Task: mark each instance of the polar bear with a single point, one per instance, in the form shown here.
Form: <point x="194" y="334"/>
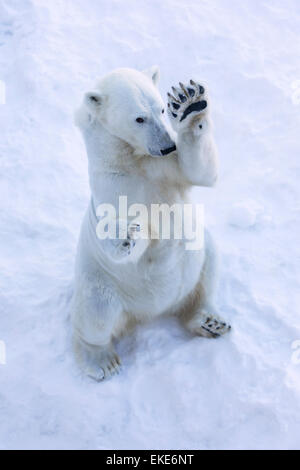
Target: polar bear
<point x="132" y="152"/>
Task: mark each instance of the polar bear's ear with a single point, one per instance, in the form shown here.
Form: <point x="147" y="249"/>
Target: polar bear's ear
<point x="93" y="100"/>
<point x="153" y="73"/>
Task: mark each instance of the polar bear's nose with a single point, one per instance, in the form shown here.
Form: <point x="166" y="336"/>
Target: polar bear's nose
<point x="168" y="150"/>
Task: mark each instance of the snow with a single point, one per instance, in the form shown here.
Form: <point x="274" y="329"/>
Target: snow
<point x="240" y="392"/>
<point x="245" y="214"/>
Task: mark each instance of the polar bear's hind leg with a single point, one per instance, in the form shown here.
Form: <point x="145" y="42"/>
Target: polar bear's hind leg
<point x="97" y="362"/>
<point x="199" y="313"/>
<point x="96" y="317"/>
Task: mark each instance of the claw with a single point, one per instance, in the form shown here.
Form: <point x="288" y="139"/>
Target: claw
<point x="213" y="334"/>
<point x="199" y="88"/>
<point x="180" y="98"/>
<point x="194" y="88"/>
<point x="171" y="97"/>
<point x="184" y="89"/>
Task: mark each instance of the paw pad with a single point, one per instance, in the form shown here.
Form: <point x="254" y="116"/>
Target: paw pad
<point x="191" y="92"/>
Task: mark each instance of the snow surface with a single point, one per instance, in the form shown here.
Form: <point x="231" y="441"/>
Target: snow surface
<point x="240" y="392"/>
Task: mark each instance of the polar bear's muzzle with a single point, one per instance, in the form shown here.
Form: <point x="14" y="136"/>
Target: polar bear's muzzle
<point x="164" y="151"/>
<point x="160" y="143"/>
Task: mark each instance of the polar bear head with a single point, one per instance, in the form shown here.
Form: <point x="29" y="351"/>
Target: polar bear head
<point x="128" y="105"/>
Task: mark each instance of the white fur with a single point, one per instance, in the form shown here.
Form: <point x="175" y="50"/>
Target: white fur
<point x="112" y="285"/>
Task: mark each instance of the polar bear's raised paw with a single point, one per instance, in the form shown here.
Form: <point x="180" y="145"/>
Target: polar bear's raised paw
<point x="187" y="103"/>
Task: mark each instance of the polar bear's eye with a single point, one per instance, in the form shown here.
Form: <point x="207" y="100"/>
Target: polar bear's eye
<point x="140" y="120"/>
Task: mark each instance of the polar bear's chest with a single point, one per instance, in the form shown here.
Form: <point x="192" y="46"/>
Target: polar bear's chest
<point x="163" y="278"/>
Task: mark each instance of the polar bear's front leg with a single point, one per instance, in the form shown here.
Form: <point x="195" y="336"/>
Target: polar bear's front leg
<point x="188" y="110"/>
